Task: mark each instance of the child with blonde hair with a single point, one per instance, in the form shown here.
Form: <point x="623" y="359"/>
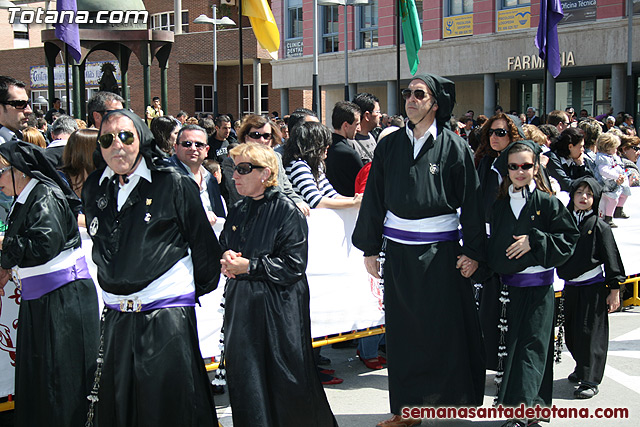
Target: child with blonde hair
<point x="614" y="178"/>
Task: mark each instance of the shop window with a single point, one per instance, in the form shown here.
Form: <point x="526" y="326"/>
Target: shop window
<point x="368" y="21"/>
<point x="330" y="29"/>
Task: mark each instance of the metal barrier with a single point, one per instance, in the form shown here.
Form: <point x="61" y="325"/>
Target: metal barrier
<point x="634" y="300"/>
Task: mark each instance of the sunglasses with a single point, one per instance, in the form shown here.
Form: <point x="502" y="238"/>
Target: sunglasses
<point x="499" y="132"/>
<point x="418" y="93"/>
<point x="199" y="145"/>
<point x="245" y="168"/>
<point x="125" y="136"/>
<point x="635" y="147"/>
<point x="18" y="104"/>
<point x="257" y="135"/>
<point x="523" y="166"/>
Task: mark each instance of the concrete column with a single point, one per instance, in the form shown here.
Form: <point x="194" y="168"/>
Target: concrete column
<point x="353" y="89"/>
<point x="489" y="94"/>
<point x="551" y="93"/>
<point x="618" y="83"/>
<point x="257" y="86"/>
<point x="177" y="19"/>
<point x="284" y="102"/>
<point x="392" y="98"/>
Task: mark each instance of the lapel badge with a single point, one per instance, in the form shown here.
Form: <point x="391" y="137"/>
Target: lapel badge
<point x="234" y="228"/>
<point x="102" y="202"/>
<point x="533" y="217"/>
<point x="589" y="232"/>
<point x="538" y="213"/>
<point x="149" y="201"/>
<point x="434" y="168"/>
<point x="147" y="217"/>
<point x="93" y="227"/>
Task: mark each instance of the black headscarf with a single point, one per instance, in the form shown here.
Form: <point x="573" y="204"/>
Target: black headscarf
<point x="148" y="148"/>
<point x="31" y="160"/>
<point x="595" y="186"/>
<point x="444" y="91"/>
<point x="503" y="159"/>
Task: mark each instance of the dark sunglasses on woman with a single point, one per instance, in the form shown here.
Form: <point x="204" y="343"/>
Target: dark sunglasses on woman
<point x="499" y="132"/>
<point x="125" y="136"/>
<point x="257" y="135"/>
<point x="245" y="168"/>
<point x="523" y="166"/>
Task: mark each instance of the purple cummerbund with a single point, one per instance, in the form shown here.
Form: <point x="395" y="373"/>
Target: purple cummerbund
<point x="131" y="306"/>
<point x="36" y="286"/>
<point x="421" y="237"/>
<point x="525" y="280"/>
<point x="597" y="279"/>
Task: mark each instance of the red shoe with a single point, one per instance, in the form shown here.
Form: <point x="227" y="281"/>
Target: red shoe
<point x="328" y="371"/>
<point x="333" y="381"/>
<point x="382" y="360"/>
<point x="374" y="363"/>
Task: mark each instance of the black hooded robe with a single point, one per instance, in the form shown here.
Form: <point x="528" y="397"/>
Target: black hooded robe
<point x="58" y="332"/>
<point x="153" y="372"/>
<point x="585" y="308"/>
<point x="434" y="343"/>
<point x="268" y="355"/>
<point x="528" y="367"/>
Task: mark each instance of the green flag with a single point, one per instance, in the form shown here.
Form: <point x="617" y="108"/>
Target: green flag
<point x="412" y="32"/>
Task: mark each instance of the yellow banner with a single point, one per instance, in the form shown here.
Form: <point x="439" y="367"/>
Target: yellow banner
<point x="456" y="26"/>
<point x="514" y="19"/>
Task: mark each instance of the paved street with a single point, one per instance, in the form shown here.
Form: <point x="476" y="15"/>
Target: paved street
<point x="362" y="399"/>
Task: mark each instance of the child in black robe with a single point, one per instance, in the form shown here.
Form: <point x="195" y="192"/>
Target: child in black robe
<point x="592" y="288"/>
<point x="531" y="233"/>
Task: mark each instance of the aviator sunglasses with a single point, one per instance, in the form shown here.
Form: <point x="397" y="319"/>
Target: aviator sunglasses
<point x="245" y="168"/>
<point x="499" y="132"/>
<point x="418" y="93"/>
<point x="187" y="144"/>
<point x="125" y="136"/>
<point x="20" y="104"/>
<point x="257" y="135"/>
<point x="523" y="166"/>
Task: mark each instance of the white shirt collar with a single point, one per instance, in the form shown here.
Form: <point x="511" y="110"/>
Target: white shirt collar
<point x="142" y="171"/>
<point x="22" y="197"/>
<point x="519" y="194"/>
<point x="58" y="143"/>
<point x="418" y="143"/>
<point x="7" y="134"/>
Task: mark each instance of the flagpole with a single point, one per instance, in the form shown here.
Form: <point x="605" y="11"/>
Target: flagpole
<point x="241" y="109"/>
<point x="66" y="77"/>
<point x="399" y="97"/>
<point x="544" y="92"/>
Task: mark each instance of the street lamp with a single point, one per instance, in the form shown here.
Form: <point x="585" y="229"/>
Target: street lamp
<point x="345" y="3"/>
<point x="204" y="19"/>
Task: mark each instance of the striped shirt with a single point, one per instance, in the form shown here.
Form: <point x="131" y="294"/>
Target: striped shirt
<point x="299" y="173"/>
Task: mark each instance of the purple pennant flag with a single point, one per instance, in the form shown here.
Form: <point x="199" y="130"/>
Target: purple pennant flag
<point x="547" y="38"/>
<point x="67" y="31"/>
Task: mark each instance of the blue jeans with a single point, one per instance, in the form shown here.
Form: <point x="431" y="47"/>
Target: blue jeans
<point x="368" y="346"/>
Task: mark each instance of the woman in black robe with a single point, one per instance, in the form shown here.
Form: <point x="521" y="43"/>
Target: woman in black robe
<point x="268" y="353"/>
<point x="58" y="321"/>
<point x="589" y="294"/>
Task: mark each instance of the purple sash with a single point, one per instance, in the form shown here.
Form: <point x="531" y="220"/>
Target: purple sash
<point x="597" y="279"/>
<point x="525" y="280"/>
<point x="133" y="306"/>
<point x="36" y="286"/>
<point x="417" y="236"/>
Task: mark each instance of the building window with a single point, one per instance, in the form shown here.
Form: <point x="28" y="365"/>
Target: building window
<point x="204" y="98"/>
<point x="369" y="25"/>
<point x="35" y="105"/>
<point x="294" y="19"/>
<point x="506" y="4"/>
<point x="462" y="7"/>
<point x="166" y="21"/>
<point x="20" y="35"/>
<point x="330" y="28"/>
<point x="247" y="98"/>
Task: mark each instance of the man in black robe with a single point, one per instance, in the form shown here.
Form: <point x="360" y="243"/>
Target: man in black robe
<point x="419" y="178"/>
<point x="155" y="253"/>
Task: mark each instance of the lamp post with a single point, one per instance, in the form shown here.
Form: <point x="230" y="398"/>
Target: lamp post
<point x="345" y="3"/>
<point x="203" y="19"/>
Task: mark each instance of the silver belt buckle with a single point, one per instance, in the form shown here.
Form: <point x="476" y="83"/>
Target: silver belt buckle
<point x="130" y="305"/>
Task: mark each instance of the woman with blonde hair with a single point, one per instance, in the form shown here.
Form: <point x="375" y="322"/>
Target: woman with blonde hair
<point x="34" y="136"/>
<point x="267" y="327"/>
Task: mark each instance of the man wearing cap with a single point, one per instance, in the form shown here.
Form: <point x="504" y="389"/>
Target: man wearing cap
<point x="419" y="178"/>
<point x="154" y="247"/>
